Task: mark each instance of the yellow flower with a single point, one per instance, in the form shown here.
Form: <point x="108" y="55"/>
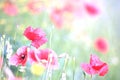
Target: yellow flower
<point x="37" y="69"/>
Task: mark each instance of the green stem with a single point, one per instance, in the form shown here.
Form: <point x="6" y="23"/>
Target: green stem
<point x="91" y="77"/>
<point x="64" y="67"/>
<point x="74" y="67"/>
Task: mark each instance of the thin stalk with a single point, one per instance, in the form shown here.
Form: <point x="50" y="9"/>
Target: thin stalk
<point x="74" y="67"/>
<point x="64" y="67"/>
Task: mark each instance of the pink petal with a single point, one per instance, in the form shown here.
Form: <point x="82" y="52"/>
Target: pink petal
<point x="19" y="58"/>
<point x="37" y="36"/>
<point x="88" y="69"/>
<point x="32" y="56"/>
<point x="38" y="43"/>
<point x="104" y="70"/>
<point x="94" y="60"/>
<point x="1" y="62"/>
<point x="14" y="60"/>
<point x="49" y="57"/>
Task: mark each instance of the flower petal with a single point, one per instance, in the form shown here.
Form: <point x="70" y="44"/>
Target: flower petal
<point x="88" y="69"/>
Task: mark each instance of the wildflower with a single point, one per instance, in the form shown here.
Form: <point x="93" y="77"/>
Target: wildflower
<point x="20" y="57"/>
<point x="91" y="9"/>
<point x="46" y="56"/>
<point x="96" y="66"/>
<point x="49" y="58"/>
<point x="37" y="69"/>
<point x="10" y="9"/>
<point x="57" y="17"/>
<point x="37" y="36"/>
<point x="35" y="6"/>
<point x="101" y="45"/>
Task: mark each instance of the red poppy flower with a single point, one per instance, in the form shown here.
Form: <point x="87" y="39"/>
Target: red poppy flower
<point x="20" y="57"/>
<point x="96" y="66"/>
<point x="37" y="36"/>
<point x="101" y="45"/>
<point x="91" y="9"/>
<point x="10" y="9"/>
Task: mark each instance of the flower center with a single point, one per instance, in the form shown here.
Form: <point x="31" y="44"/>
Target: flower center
<point x="23" y="56"/>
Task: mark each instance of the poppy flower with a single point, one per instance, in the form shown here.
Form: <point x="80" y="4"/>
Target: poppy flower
<point x="91" y="9"/>
<point x="101" y="45"/>
<point x="57" y="17"/>
<point x="10" y="9"/>
<point x="96" y="66"/>
<point x="35" y="6"/>
<point x="20" y="57"/>
<point x="37" y="36"/>
<point x="49" y="58"/>
<point x="46" y="56"/>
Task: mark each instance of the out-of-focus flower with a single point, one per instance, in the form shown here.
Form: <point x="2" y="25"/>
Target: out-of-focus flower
<point x="57" y="17"/>
<point x="35" y="6"/>
<point x="10" y="9"/>
<point x="82" y="7"/>
<point x="37" y="69"/>
<point x="20" y="57"/>
<point x="37" y="36"/>
<point x="91" y="9"/>
<point x="101" y="45"/>
<point x="96" y="66"/>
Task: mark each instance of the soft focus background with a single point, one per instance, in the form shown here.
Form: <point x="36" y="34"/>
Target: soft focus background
<point x="71" y="27"/>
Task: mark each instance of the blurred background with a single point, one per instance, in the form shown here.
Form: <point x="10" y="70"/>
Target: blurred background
<point x="71" y="26"/>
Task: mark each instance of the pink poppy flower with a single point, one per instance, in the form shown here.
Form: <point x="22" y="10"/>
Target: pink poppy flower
<point x="37" y="36"/>
<point x="101" y="45"/>
<point x="20" y="57"/>
<point x="91" y="9"/>
<point x="35" y="6"/>
<point x="10" y="9"/>
<point x="96" y="66"/>
<point x="57" y="17"/>
<point x="49" y="58"/>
